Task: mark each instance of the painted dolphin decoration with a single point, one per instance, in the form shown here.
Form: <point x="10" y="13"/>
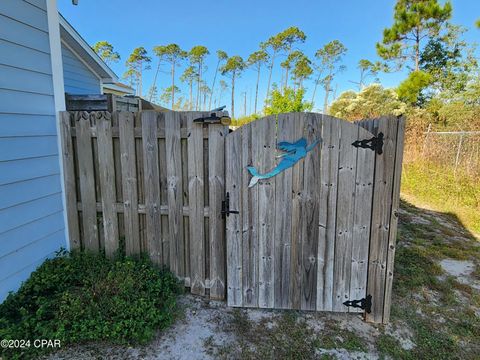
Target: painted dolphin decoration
<point x="294" y="152"/>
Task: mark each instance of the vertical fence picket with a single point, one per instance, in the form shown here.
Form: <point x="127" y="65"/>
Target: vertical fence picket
<point x="362" y="215"/>
<point x="162" y="167"/>
<point x="69" y="180"/>
<point x="185" y="196"/>
<point x="233" y="156"/>
<point x="310" y="212"/>
<point x="297" y="210"/>
<point x="264" y="144"/>
<point x="381" y="211"/>
<point x="283" y="220"/>
<point x="174" y="190"/>
<point x="249" y="217"/>
<point x="87" y="181"/>
<point x="196" y="204"/>
<point x="152" y="185"/>
<point x="344" y="221"/>
<point x="107" y="182"/>
<point x="392" y="236"/>
<point x="216" y="174"/>
<point x="327" y="212"/>
<point x="129" y="176"/>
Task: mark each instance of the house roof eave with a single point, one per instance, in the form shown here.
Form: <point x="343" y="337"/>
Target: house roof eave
<point x="81" y="47"/>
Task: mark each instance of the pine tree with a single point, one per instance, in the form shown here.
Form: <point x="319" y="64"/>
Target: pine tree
<point x="173" y="55"/>
<point x="414" y="21"/>
<point x="221" y="56"/>
<point x="197" y="58"/>
<point x="233" y="68"/>
<point x="330" y="56"/>
<point x="256" y="60"/>
<point x="105" y="50"/>
<point x="188" y="76"/>
<point x="136" y="63"/>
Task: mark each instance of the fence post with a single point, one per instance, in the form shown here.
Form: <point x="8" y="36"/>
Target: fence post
<point x="457" y="158"/>
<point x="426" y="138"/>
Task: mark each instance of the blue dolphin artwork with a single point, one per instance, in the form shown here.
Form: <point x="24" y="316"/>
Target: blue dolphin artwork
<point x="293" y="152"/>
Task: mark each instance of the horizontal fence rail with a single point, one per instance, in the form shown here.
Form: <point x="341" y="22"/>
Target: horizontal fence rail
<point x="149" y="182"/>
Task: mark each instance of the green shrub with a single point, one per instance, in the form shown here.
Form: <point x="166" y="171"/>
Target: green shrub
<point x="81" y="297"/>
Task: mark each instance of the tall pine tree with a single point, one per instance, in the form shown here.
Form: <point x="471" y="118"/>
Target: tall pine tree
<point x="413" y="22"/>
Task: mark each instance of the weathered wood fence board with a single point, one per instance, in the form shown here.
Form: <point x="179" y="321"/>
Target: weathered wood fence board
<point x="310" y="214"/>
<point x="328" y="212"/>
<point x="283" y="228"/>
<point x="143" y="176"/>
<point x="70" y="181"/>
<point x="107" y="180"/>
<point x="361" y="223"/>
<point x="216" y="167"/>
<point x="381" y="210"/>
<point x="87" y="181"/>
<point x="152" y="186"/>
<point x="174" y="189"/>
<point x="233" y="151"/>
<point x="249" y="240"/>
<point x="129" y="176"/>
<point x="388" y="167"/>
<point x="263" y="142"/>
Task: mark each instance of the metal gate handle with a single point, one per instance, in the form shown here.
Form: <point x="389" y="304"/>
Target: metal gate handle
<point x="226" y="207"/>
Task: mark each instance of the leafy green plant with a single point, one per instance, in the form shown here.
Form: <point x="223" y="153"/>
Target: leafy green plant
<point x="81" y="297"/>
<point x="289" y="100"/>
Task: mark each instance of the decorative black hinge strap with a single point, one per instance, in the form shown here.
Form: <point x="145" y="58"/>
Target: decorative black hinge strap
<point x="364" y="304"/>
<point x="375" y="143"/>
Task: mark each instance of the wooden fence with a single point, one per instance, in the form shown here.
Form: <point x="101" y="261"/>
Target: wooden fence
<point x="152" y="181"/>
<point x="316" y="235"/>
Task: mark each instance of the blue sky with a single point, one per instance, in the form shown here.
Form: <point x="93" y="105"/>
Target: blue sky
<point x="238" y="27"/>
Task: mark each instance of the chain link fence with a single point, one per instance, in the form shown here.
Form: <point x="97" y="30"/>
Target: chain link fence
<point x="457" y="150"/>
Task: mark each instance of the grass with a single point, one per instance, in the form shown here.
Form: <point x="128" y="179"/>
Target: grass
<point x="436" y="307"/>
<point x="439" y="188"/>
<point x="284" y="335"/>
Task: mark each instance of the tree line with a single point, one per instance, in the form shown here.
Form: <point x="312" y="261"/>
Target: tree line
<point x="296" y="67"/>
<point x="442" y="86"/>
<point x="440" y="66"/>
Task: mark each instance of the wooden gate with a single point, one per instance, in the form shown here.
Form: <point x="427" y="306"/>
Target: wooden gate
<point x="312" y="236"/>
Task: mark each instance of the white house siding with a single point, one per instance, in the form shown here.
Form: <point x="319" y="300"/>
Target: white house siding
<point x="78" y="78"/>
<point x="31" y="211"/>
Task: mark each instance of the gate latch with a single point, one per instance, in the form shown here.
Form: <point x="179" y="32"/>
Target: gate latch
<point x="226" y="207"/>
<point x="364" y="304"/>
<point x="375" y="143"/>
<point x="213" y="118"/>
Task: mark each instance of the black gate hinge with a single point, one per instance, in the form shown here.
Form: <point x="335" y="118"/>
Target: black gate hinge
<point x="375" y="143"/>
<point x="364" y="304"/>
<point x="226" y="207"/>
